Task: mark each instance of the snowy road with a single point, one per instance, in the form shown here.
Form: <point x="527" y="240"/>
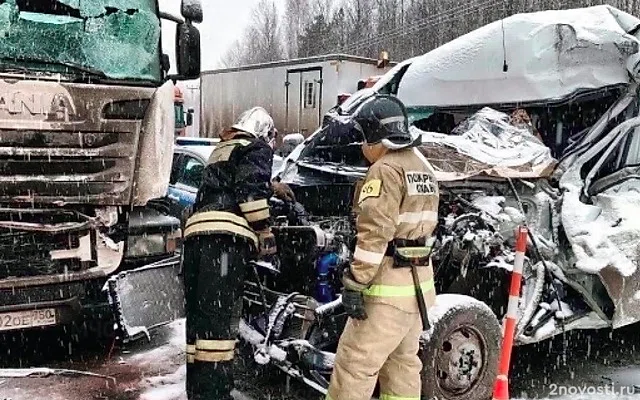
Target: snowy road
<point x="154" y="371"/>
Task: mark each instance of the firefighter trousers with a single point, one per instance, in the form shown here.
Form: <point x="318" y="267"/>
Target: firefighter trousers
<point x="214" y="271"/>
<point x="383" y="347"/>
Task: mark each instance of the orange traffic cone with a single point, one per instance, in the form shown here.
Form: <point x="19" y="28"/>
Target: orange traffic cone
<point x="501" y="388"/>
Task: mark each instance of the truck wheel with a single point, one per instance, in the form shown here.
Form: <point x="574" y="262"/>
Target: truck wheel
<point x="460" y="353"/>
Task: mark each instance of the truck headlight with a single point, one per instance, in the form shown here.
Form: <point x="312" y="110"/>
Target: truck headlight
<point x="149" y="245"/>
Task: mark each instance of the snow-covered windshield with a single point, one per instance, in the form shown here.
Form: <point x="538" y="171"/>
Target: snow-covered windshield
<point x="118" y="39"/>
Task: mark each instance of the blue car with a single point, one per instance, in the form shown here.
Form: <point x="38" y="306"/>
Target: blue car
<point x="189" y="160"/>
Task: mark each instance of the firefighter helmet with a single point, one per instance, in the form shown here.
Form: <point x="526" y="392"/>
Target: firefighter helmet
<point x="383" y="119"/>
<point x="256" y="122"/>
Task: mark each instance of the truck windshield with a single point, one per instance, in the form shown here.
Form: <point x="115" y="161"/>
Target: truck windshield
<point x="118" y="39"/>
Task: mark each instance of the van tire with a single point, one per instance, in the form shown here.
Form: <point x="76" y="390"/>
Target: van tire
<point x="461" y="351"/>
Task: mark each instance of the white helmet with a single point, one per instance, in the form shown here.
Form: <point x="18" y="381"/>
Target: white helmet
<point x="257" y="122"/>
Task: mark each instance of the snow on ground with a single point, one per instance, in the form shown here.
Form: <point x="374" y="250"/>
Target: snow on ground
<point x="155" y="371"/>
<point x="170" y="383"/>
<point x="174" y="347"/>
<point x="165" y="387"/>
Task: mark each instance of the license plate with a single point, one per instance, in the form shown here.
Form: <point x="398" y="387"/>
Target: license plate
<point x="27" y="319"/>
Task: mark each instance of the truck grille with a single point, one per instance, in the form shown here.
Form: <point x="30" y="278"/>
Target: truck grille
<point x="28" y="237"/>
<point x="53" y="292"/>
<point x="66" y="166"/>
<point x="24" y="254"/>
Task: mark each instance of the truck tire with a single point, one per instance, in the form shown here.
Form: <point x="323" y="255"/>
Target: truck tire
<point x="461" y="351"/>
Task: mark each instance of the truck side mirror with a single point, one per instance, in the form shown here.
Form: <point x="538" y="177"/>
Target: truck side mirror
<point x="165" y="62"/>
<point x="188" y="51"/>
<point x="191" y="10"/>
<point x="190" y="117"/>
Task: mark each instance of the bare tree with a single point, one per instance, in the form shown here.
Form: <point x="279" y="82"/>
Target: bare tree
<point x="234" y="55"/>
<point x="264" y="33"/>
<point x="296" y="18"/>
<point x="360" y="20"/>
<point x="405" y="28"/>
<point x="322" y="7"/>
<point x="261" y="41"/>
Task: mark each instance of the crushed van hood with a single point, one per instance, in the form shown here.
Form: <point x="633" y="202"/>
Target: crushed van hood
<point x="488" y="144"/>
<point x="549" y="54"/>
<point x="485" y="144"/>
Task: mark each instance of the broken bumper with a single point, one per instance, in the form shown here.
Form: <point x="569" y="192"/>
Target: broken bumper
<point x="50" y="305"/>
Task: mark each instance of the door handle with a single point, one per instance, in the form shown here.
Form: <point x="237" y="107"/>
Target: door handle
<point x="174" y="197"/>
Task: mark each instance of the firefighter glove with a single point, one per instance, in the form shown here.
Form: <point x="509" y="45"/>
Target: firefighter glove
<point x="267" y="242"/>
<point x="283" y="192"/>
<point x="352" y="297"/>
<point x="353" y="302"/>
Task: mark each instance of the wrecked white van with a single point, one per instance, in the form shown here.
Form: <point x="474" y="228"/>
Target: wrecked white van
<point x="530" y="120"/>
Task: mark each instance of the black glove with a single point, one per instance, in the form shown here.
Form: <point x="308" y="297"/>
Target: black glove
<point x="352" y="297"/>
<point x="353" y="302"/>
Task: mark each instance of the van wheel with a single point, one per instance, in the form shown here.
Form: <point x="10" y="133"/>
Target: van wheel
<point x="461" y="351"/>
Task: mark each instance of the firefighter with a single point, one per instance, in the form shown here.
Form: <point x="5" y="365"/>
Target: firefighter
<point x="390" y="280"/>
<point x="229" y="227"/>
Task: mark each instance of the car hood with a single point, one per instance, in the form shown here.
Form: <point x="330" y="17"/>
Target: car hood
<point x="485" y="144"/>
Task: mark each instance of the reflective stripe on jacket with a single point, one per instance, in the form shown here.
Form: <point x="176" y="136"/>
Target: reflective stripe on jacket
<point x="397" y="200"/>
<point x="213" y="222"/>
<point x="237" y="180"/>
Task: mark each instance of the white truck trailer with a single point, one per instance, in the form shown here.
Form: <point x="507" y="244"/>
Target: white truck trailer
<point x="297" y="93"/>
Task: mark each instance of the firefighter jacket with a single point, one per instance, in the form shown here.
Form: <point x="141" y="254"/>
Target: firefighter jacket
<point x="233" y="196"/>
<point x="398" y="200"/>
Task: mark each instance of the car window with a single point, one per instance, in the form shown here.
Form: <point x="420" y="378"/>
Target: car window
<point x="337" y="142"/>
<point x="176" y="168"/>
<point x="192" y="172"/>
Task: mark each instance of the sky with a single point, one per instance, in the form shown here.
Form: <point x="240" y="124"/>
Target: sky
<point x="224" y="22"/>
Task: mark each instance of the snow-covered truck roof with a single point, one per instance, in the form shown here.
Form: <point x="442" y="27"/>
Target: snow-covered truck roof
<point x="549" y="54"/>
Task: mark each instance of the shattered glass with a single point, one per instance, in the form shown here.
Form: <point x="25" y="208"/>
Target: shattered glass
<point x="336" y="143"/>
<point x="112" y="38"/>
<point x="487" y="142"/>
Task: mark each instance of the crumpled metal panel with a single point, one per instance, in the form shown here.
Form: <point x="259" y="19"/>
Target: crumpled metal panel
<point x="601" y="226"/>
<point x="147" y="297"/>
<point x="487" y="143"/>
<point x="156" y="148"/>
